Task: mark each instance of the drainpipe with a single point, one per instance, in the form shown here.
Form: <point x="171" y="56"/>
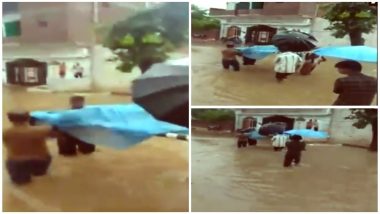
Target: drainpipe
<point x="95" y="15"/>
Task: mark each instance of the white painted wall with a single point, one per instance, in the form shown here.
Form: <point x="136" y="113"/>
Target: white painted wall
<point x="325" y="39"/>
<point x="324" y="121"/>
<point x="342" y="130"/>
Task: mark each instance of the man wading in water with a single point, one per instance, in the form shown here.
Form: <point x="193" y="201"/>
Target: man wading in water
<point x="229" y="57"/>
<point x="295" y="147"/>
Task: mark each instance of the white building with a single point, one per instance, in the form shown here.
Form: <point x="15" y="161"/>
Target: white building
<point x="302" y="16"/>
<point x="330" y="120"/>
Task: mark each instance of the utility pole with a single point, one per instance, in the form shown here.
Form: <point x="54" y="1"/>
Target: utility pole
<point x="92" y="46"/>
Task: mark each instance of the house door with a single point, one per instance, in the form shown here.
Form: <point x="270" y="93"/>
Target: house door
<point x="279" y="118"/>
<point x="31" y="75"/>
<point x="263" y="37"/>
<point x="249" y="122"/>
<point x="233" y="31"/>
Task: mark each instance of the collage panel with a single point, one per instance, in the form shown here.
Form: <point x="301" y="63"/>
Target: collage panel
<point x="284" y="53"/>
<point x="284" y="160"/>
<point x="95" y="106"/>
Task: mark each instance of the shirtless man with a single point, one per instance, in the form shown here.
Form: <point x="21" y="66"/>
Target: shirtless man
<point x="229" y="57"/>
<point x="27" y="153"/>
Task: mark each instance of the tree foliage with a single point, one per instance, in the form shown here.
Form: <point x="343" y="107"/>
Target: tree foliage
<point x="213" y="115"/>
<point x="362" y="117"/>
<point x="351" y="18"/>
<point x="201" y="21"/>
<point x="147" y="37"/>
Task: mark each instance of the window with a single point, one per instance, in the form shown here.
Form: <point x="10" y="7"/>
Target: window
<point x="12" y="29"/>
<point x="31" y="74"/>
<point x="263" y="36"/>
<point x="242" y="6"/>
<point x="257" y="5"/>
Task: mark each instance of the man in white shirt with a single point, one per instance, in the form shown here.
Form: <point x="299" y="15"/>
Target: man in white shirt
<point x="279" y="141"/>
<point x="285" y="64"/>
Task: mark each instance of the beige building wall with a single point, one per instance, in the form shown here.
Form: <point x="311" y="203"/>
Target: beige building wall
<point x="342" y="130"/>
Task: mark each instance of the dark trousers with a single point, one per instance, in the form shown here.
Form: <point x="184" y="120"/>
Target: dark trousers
<point x="316" y="128"/>
<point x="67" y="145"/>
<point x="290" y="157"/>
<point x="248" y="61"/>
<point x="278" y="148"/>
<point x="21" y="171"/>
<point x="78" y="75"/>
<point x="242" y="143"/>
<point x="234" y="63"/>
<point x="282" y="76"/>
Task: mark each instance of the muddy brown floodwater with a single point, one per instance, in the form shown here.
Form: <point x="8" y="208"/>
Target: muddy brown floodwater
<point x="256" y="84"/>
<point x="330" y="178"/>
<point x="151" y="176"/>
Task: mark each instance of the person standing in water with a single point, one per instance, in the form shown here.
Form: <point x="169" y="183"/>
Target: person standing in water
<point x="62" y="70"/>
<point x="309" y="124"/>
<point x="67" y="144"/>
<point x="295" y="146"/>
<point x="279" y="141"/>
<point x="316" y="125"/>
<point x="356" y="88"/>
<point x="285" y="64"/>
<point x="27" y="152"/>
<point x="229" y="57"/>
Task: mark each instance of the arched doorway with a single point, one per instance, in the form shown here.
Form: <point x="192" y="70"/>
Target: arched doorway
<point x="249" y="122"/>
<point x="260" y="35"/>
<point x="233" y="31"/>
<point x="279" y="118"/>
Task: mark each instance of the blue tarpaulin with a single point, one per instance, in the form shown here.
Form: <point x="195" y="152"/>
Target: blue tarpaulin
<point x="359" y="53"/>
<point x="308" y="133"/>
<point x="258" y="51"/>
<point x="255" y="135"/>
<point x="116" y="126"/>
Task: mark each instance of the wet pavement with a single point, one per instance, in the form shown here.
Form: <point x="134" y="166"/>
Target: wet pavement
<point x="330" y="178"/>
<point x="256" y="84"/>
<point x="151" y="176"/>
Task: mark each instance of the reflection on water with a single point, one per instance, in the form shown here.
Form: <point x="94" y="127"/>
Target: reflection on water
<point x="149" y="177"/>
<point x="331" y="178"/>
<point x="256" y="84"/>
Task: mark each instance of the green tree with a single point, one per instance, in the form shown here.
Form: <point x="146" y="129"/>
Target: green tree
<point x="213" y="115"/>
<point x="147" y="37"/>
<point x="201" y="21"/>
<point x="352" y="19"/>
<point x="362" y="118"/>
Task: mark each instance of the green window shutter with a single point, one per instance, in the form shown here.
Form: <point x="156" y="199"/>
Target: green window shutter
<point x="12" y="29"/>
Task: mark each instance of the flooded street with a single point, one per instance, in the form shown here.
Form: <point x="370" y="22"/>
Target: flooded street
<point x="151" y="176"/>
<point x="256" y="84"/>
<point x="330" y="178"/>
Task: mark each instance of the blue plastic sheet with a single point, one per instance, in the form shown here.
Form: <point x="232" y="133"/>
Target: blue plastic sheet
<point x="254" y="135"/>
<point x="359" y="53"/>
<point x="116" y="126"/>
<point x="258" y="51"/>
<point x="308" y="133"/>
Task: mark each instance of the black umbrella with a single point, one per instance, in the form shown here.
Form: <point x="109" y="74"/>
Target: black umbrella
<point x="294" y="41"/>
<point x="272" y="128"/>
<point x="164" y="92"/>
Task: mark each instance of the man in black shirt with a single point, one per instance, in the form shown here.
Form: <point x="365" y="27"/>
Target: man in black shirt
<point x="356" y="88"/>
<point x="294" y="148"/>
<point x="67" y="144"/>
